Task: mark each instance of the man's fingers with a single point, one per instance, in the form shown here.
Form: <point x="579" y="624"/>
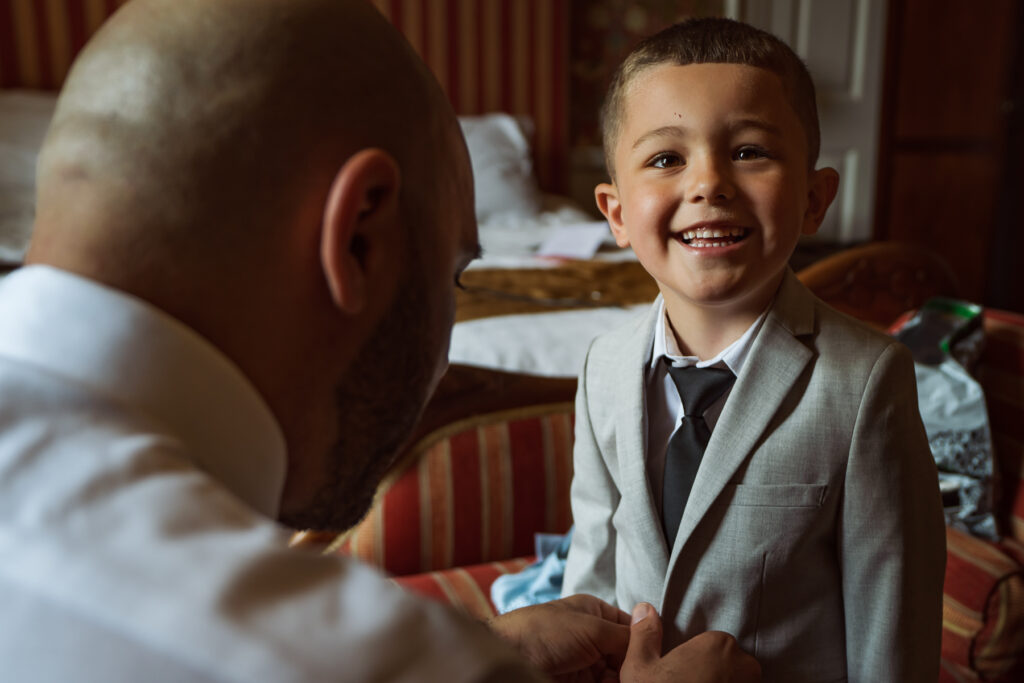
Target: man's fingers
<point x="723" y="647"/>
<point x="618" y="616"/>
<point x="600" y="642"/>
<point x="645" y="636"/>
<point x="712" y="656"/>
<point x="715" y="655"/>
<point x="597" y="607"/>
<point x="612" y="641"/>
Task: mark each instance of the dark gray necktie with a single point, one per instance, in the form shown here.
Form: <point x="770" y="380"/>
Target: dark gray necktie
<point x="698" y="388"/>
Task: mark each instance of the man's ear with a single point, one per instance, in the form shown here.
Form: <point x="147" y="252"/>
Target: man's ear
<point x="362" y="203"/>
<point x="607" y="197"/>
<point x="821" y="191"/>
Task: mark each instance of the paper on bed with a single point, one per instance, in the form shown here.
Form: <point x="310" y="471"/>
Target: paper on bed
<point x="576" y="241"/>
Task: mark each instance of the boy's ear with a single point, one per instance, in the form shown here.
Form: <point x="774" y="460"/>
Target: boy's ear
<point x="821" y="191"/>
<point x="361" y="211"/>
<point x="607" y="197"/>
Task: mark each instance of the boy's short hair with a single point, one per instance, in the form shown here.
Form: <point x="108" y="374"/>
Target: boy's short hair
<point x="713" y="41"/>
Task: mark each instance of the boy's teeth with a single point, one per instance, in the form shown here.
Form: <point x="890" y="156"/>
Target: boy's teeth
<point x="709" y="233"/>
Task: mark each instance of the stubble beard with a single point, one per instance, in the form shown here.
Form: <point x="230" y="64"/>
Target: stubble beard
<point x="378" y="404"/>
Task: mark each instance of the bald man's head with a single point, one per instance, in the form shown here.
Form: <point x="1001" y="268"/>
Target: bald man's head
<point x="286" y="178"/>
<point x="199" y="127"/>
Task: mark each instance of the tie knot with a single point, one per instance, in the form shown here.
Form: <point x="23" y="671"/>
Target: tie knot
<point x="700" y="387"/>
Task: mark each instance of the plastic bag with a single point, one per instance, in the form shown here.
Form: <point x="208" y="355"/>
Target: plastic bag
<point x="945" y="338"/>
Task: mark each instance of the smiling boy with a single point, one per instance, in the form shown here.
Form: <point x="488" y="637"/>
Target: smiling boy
<point x="748" y="459"/>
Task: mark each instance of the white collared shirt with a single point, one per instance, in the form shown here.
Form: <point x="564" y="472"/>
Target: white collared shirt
<point x="665" y="408"/>
<point x="138" y="472"/>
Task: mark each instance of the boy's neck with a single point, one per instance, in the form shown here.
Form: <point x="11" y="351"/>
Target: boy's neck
<point x="704" y="330"/>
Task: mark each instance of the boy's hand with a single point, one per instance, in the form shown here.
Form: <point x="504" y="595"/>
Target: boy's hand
<point x="579" y="638"/>
<point x="712" y="657"/>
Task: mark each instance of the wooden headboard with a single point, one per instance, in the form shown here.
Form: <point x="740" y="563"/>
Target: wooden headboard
<point x="489" y="55"/>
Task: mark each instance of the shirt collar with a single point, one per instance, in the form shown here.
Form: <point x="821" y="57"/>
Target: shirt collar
<point x="732" y="356"/>
<point x="135" y="354"/>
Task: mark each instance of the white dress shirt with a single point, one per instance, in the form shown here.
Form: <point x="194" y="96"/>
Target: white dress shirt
<point x="665" y="408"/>
<point x="139" y="472"/>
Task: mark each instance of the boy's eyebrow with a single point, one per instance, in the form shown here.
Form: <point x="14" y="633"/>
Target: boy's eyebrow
<point x="734" y="126"/>
<point x="663" y="132"/>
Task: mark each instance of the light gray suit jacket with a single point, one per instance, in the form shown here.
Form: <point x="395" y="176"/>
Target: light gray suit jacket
<point x="814" y="530"/>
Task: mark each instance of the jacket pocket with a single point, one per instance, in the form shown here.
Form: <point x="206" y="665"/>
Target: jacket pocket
<point x="776" y="495"/>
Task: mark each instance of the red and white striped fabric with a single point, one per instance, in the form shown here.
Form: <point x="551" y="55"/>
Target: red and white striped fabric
<point x="474" y="492"/>
<point x="39" y="38"/>
<point x="468" y="589"/>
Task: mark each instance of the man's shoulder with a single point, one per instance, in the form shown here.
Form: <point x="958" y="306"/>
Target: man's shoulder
<point x="114" y="534"/>
<point x="276" y="616"/>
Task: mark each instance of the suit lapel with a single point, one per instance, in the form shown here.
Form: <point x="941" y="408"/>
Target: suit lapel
<point x="631" y="444"/>
<point x="776" y="359"/>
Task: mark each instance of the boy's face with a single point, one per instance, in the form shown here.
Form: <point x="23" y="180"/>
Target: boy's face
<point x="712" y="184"/>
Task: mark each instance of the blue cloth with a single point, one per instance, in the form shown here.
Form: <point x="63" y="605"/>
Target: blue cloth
<point x="540" y="582"/>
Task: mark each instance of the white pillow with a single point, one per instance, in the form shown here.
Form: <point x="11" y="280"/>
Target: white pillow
<point x="499" y="150"/>
<point x="24" y="118"/>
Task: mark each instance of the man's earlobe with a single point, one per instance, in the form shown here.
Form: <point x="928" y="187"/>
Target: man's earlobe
<point x="822" y="191"/>
<point x="363" y="199"/>
<point x="607" y="197"/>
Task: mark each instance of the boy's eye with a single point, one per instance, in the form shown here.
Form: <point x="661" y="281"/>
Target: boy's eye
<point x="750" y="153"/>
<point x="665" y="160"/>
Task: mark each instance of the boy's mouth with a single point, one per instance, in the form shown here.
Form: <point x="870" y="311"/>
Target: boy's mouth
<point x="703" y="238"/>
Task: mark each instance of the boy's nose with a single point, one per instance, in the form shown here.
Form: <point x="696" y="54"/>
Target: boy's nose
<point x="708" y="182"/>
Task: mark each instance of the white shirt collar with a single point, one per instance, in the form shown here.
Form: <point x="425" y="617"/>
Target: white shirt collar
<point x="133" y="353"/>
<point x="733" y="356"/>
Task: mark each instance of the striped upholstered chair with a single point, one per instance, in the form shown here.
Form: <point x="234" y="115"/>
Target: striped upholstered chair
<point x="490" y="466"/>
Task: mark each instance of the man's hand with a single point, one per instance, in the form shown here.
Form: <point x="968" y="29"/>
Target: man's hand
<point x="579" y="638"/>
<point x="711" y="657"/>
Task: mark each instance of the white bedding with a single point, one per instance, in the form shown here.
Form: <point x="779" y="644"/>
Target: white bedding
<point x="548" y="344"/>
